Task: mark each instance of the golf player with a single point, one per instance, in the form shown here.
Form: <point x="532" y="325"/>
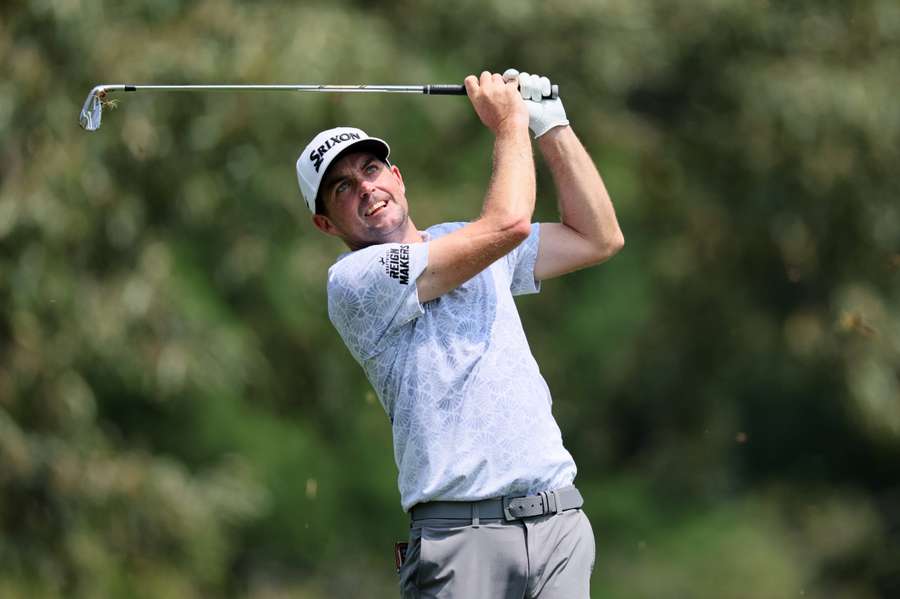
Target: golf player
<point x="429" y="315"/>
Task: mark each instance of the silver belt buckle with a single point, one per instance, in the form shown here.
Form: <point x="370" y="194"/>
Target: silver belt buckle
<point x="516" y="508"/>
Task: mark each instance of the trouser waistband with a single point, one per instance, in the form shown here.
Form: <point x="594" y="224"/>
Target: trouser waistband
<point x="507" y="508"/>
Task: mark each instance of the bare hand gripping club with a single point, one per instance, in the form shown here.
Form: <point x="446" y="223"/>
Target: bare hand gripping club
<point x="92" y="111"/>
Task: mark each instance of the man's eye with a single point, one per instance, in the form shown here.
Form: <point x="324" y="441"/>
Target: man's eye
<point x="371" y="168"/>
<point x="342" y="187"/>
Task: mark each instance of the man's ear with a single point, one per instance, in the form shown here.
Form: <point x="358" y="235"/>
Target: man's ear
<point x="324" y="224"/>
<point x="397" y="174"/>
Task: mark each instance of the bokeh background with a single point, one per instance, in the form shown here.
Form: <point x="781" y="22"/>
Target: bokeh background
<point x="179" y="419"/>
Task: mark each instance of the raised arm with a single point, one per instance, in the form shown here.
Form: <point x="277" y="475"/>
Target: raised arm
<point x="588" y="232"/>
<point x="509" y="202"/>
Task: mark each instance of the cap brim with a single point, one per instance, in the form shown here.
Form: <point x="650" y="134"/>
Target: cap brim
<point x="373" y="144"/>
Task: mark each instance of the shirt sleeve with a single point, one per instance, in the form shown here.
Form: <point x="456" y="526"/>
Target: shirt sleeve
<point x="372" y="293"/>
<point x="521" y="263"/>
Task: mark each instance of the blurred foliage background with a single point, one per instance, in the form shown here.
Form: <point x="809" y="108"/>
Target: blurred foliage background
<point x="179" y="419"/>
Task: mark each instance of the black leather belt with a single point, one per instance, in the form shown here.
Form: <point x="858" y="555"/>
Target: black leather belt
<point x="506" y="508"/>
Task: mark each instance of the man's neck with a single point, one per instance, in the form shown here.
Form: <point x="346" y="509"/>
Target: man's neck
<point x="410" y="234"/>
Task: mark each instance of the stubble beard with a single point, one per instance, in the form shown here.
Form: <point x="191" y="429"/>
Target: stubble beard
<point x="377" y="236"/>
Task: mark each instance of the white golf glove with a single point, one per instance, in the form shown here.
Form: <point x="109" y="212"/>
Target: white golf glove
<point x="543" y="114"/>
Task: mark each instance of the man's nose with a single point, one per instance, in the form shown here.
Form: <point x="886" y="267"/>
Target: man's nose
<point x="366" y="188"/>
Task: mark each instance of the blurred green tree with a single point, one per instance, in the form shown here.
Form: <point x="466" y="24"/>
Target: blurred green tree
<point x="179" y="419"/>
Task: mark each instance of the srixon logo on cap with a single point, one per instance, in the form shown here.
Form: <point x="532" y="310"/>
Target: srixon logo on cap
<point x="317" y="155"/>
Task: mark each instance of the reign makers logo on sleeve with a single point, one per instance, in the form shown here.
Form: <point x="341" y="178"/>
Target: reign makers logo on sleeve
<point x="396" y="263"/>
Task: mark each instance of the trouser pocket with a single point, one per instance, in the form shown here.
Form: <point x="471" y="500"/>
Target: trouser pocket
<point x="409" y="569"/>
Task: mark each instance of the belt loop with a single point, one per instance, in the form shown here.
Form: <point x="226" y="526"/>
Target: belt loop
<point x="549" y="502"/>
<point x="545" y="503"/>
<point x="475" y="517"/>
<point x="558" y="502"/>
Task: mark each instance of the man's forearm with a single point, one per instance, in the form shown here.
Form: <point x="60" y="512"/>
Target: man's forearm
<point x="584" y="203"/>
<point x="511" y="193"/>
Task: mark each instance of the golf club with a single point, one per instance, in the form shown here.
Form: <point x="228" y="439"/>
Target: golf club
<point x="92" y="110"/>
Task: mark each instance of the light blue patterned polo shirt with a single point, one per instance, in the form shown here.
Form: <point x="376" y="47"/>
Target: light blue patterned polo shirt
<point x="469" y="408"/>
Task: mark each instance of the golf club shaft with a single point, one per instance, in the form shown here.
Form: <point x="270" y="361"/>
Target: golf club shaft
<point x="432" y="89"/>
<point x="92" y="111"/>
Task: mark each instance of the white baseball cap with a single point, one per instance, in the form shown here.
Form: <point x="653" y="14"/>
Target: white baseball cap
<point x="324" y="148"/>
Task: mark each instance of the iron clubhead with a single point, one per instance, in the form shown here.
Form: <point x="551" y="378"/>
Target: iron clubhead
<point x="92" y="111"/>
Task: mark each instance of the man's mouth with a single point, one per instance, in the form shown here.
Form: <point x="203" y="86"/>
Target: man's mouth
<point x="376" y="207"/>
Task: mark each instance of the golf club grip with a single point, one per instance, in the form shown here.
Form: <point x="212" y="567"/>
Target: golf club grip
<point x="447" y="89"/>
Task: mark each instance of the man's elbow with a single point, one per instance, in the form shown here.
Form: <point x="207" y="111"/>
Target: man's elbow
<point x="506" y="232"/>
<point x="514" y="225"/>
<point x="521" y="229"/>
<point x="609" y="246"/>
<point x="617" y="243"/>
<point x="513" y="229"/>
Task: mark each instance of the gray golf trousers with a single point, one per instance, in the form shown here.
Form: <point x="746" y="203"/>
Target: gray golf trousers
<point x="547" y="557"/>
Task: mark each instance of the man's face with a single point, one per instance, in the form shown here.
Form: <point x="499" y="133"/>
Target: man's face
<point x="364" y="199"/>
